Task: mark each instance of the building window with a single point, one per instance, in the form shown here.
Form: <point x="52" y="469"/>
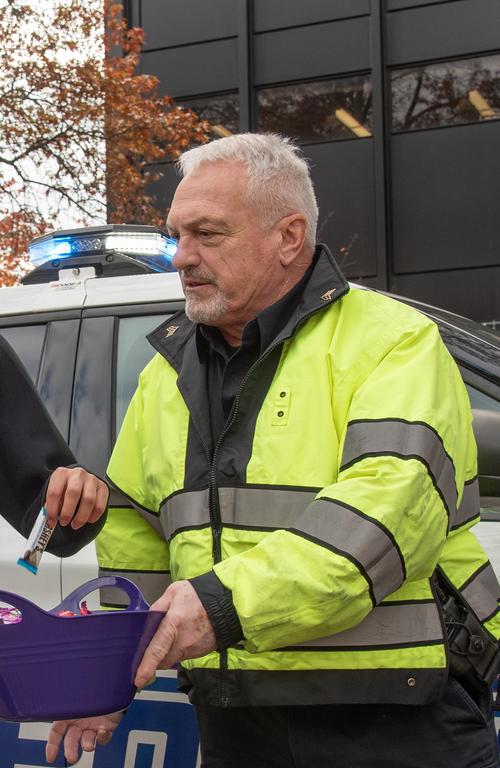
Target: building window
<point x="325" y="110"/>
<point x="222" y="111"/>
<point x="449" y="93"/>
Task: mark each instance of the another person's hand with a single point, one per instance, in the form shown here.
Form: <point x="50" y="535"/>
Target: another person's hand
<point x="185" y="633"/>
<point x="82" y="734"/>
<point x="75" y="496"/>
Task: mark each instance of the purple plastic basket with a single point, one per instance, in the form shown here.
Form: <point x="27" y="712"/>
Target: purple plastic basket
<point x="58" y="668"/>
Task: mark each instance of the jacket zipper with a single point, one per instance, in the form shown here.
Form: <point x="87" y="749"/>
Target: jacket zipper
<point x="215" y="517"/>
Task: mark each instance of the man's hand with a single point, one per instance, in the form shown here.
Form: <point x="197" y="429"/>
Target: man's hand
<point x="84" y="734"/>
<point x="71" y="491"/>
<point x="185" y="633"/>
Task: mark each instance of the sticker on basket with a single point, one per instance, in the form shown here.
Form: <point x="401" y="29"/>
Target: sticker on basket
<point x="39" y="538"/>
<point x="10" y="615"/>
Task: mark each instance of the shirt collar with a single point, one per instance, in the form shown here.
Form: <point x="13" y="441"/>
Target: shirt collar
<point x="263" y="328"/>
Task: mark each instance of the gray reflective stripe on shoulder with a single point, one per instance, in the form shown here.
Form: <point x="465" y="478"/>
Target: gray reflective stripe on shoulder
<point x="483" y="592"/>
<point x="470" y="504"/>
<point x="151" y="583"/>
<point x="352" y="533"/>
<point x="249" y="507"/>
<point x="388" y="625"/>
<point x="403" y="438"/>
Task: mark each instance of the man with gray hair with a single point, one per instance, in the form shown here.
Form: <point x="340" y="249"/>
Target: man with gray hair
<point x="304" y="454"/>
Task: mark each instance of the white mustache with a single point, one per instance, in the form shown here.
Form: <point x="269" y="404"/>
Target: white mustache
<point x="188" y="274"/>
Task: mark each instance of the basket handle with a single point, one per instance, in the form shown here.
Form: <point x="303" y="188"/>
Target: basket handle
<point x="72" y="601"/>
<point x="17" y="601"/>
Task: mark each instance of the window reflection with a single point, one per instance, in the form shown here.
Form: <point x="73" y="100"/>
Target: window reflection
<point x="319" y="111"/>
<point x="222" y="111"/>
<point x="449" y="93"/>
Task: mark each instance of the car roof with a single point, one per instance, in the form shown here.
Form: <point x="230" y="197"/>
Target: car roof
<point x="464" y="337"/>
<point x="88" y="291"/>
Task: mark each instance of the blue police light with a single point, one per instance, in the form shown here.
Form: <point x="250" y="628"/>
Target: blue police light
<point x="146" y="244"/>
<point x="41" y="252"/>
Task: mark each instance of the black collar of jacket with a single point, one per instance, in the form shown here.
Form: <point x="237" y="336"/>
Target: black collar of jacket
<point x="326" y="285"/>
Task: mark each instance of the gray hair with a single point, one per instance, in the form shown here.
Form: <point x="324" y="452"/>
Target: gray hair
<point x="278" y="174"/>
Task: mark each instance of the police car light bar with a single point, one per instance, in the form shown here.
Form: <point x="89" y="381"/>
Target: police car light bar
<point x="146" y="244"/>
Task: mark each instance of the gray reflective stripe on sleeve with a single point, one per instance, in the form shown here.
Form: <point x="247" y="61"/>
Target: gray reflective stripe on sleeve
<point x="185" y="510"/>
<point x="350" y="532"/>
<point x="482" y="592"/>
<point x="151" y="583"/>
<point x="118" y="499"/>
<point x="387" y="624"/>
<point x="263" y="507"/>
<point x="469" y="506"/>
<point x="407" y="439"/>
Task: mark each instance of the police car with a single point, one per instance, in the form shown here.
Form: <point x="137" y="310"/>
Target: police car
<point x="79" y="323"/>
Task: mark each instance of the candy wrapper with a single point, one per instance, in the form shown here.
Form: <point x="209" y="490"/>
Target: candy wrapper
<point x="84" y="611"/>
<point x="37" y="543"/>
<point x="10" y="615"/>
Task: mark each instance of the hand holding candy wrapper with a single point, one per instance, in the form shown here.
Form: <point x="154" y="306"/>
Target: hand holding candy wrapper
<point x="37" y="543"/>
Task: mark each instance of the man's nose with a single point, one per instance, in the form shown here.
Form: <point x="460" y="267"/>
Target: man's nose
<point x="186" y="253"/>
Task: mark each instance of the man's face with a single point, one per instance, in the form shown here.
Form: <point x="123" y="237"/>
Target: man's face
<point x="229" y="265"/>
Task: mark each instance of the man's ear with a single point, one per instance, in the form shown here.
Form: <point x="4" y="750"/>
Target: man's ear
<point x="293" y="231"/>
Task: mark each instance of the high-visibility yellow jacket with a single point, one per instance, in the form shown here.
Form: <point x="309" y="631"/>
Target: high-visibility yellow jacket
<point x="346" y="472"/>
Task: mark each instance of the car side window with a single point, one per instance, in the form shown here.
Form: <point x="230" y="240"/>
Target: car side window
<point x="481" y="401"/>
<point x="133" y="353"/>
<point x="27" y="342"/>
<point x="490" y="500"/>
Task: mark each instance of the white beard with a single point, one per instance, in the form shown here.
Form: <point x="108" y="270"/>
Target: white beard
<point x="207" y="311"/>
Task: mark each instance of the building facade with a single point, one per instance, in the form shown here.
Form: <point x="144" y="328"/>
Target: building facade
<point x="395" y="102"/>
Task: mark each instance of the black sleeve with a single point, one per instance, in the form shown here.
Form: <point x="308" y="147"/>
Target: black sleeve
<point x="217" y="600"/>
<point x="31" y="448"/>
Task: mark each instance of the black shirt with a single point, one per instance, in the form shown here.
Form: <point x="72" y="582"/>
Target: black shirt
<point x="227" y="366"/>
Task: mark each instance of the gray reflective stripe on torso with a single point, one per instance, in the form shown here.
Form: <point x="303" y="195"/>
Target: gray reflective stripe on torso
<point x="349" y="531"/>
<point x="152" y="584"/>
<point x="387" y="624"/>
<point x="185" y="510"/>
<point x="407" y="439"/>
<point x="268" y="508"/>
<point x="470" y="505"/>
<point x="483" y="593"/>
<point x="263" y="507"/>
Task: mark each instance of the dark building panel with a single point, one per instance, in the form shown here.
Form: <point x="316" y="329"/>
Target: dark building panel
<point x="319" y="50"/>
<point x="397" y="5"/>
<point x="443" y="30"/>
<point x="178" y="22"/>
<point x="193" y="69"/>
<point x="342" y="174"/>
<point x="470" y="292"/>
<point x="271" y="14"/>
<point x="163" y="190"/>
<point x="445" y="192"/>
